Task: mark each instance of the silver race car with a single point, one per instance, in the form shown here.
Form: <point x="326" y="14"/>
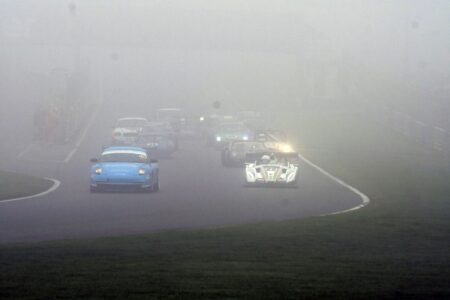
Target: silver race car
<point x="272" y="169"/>
<point x="126" y="130"/>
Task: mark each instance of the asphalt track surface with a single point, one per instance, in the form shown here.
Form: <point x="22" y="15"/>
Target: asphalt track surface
<point x="196" y="192"/>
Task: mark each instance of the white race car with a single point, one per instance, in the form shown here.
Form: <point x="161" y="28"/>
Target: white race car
<point x="126" y="130"/>
<point x="272" y="169"/>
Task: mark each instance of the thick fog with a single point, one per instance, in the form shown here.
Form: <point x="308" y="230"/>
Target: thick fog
<point x="189" y="53"/>
<point x="70" y="69"/>
<point x="261" y="55"/>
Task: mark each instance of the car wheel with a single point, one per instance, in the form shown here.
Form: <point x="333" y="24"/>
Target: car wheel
<point x="246" y="183"/>
<point x="224" y="158"/>
<point x="155" y="186"/>
<point x="294" y="184"/>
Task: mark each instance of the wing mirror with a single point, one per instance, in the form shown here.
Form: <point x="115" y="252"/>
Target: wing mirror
<point x="94" y="160"/>
<point x="153" y="161"/>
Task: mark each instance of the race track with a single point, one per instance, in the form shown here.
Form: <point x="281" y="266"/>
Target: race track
<point x="196" y="192"/>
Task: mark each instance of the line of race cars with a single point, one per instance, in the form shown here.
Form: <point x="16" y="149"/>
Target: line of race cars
<point x="131" y="162"/>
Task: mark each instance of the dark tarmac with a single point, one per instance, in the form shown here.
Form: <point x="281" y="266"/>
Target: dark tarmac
<point x="196" y="192"/>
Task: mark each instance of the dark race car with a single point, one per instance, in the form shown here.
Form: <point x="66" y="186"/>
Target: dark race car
<point x="229" y="131"/>
<point x="157" y="145"/>
<point x="235" y="152"/>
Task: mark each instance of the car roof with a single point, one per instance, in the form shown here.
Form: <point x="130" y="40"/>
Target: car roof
<point x="132" y="118"/>
<point x="124" y="130"/>
<point x="124" y="148"/>
<point x="166" y="109"/>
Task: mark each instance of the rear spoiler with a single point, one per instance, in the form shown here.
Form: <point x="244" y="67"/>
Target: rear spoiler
<point x="252" y="157"/>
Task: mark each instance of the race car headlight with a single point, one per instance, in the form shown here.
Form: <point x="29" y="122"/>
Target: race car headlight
<point x="286" y="148"/>
<point x="218" y="138"/>
<point x="245" y="137"/>
<point x="141" y="171"/>
<point x="202" y="119"/>
<point x="98" y="171"/>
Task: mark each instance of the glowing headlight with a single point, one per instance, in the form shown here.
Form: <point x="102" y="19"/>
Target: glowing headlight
<point x="202" y="119"/>
<point x="286" y="148"/>
<point x="98" y="171"/>
<point x="245" y="137"/>
<point x="218" y="138"/>
<point x="141" y="172"/>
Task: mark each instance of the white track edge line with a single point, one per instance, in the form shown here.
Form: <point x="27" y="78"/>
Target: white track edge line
<point x="22" y="153"/>
<point x="83" y="135"/>
<point x="365" y="199"/>
<point x="56" y="184"/>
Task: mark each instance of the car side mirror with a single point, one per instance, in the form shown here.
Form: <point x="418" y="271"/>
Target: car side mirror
<point x="94" y="160"/>
<point x="153" y="161"/>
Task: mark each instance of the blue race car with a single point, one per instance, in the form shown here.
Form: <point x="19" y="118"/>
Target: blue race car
<point x="124" y="168"/>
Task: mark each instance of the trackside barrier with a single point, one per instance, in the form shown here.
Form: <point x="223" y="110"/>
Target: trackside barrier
<point x="420" y="135"/>
<point x="434" y="137"/>
<point x="439" y="139"/>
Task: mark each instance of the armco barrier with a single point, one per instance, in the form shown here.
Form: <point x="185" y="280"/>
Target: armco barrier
<point x="430" y="136"/>
<point x="420" y="132"/>
<point x="439" y="140"/>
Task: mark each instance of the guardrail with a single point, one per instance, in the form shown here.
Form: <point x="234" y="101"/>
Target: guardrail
<point x="421" y="132"/>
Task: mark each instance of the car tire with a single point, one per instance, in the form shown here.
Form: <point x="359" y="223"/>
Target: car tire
<point x="155" y="186"/>
<point x="224" y="158"/>
<point x="294" y="184"/>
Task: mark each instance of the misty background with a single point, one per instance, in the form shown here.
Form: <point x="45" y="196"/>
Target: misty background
<point x="378" y="56"/>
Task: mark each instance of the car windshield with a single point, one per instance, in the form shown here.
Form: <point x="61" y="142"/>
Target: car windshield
<point x="124" y="156"/>
<point x="255" y="146"/>
<point x="232" y="127"/>
<point x="131" y="123"/>
<point x="130" y="134"/>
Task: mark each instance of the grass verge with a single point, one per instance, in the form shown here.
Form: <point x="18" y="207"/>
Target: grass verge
<point x="13" y="185"/>
<point x="397" y="247"/>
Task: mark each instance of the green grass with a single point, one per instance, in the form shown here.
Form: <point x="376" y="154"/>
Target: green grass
<point x="397" y="247"/>
<point x="13" y="185"/>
